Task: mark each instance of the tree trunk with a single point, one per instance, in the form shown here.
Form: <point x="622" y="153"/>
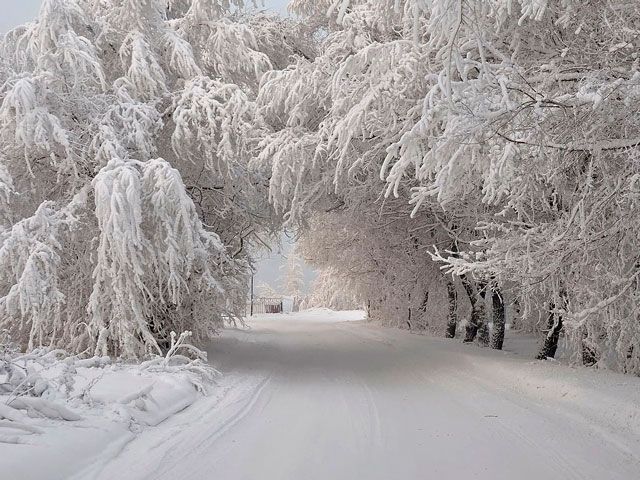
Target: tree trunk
<point x="516" y="322"/>
<point x="550" y="345"/>
<point x="423" y="305"/>
<point x="452" y="322"/>
<point x="589" y="352"/>
<point x="483" y="330"/>
<point x="625" y="368"/>
<point x="497" y="338"/>
<point x="296" y="304"/>
<point x="483" y="335"/>
<point x="478" y="313"/>
<point x="589" y="355"/>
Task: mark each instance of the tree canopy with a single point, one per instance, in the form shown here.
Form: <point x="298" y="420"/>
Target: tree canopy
<point x="436" y="158"/>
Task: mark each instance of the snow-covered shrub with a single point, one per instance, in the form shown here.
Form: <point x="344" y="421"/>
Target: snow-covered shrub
<point x="183" y="357"/>
<point x="46" y="386"/>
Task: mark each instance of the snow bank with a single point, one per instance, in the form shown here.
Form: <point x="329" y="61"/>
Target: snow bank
<point x="72" y="413"/>
<point x="608" y="401"/>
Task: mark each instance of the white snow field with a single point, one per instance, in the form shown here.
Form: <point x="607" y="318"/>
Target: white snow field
<point x="88" y="410"/>
<point x="322" y="395"/>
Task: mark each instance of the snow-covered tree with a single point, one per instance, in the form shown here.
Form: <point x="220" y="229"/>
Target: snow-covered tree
<point x="427" y="152"/>
<point x="507" y="124"/>
<point x="332" y="118"/>
<point x="327" y="291"/>
<point x="293" y="278"/>
<point x="265" y="290"/>
<point x="128" y="203"/>
<point x="530" y="104"/>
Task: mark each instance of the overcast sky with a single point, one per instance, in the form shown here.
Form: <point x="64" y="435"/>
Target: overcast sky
<point x="15" y="12"/>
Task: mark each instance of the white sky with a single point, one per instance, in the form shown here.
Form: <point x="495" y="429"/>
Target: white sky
<point x="270" y="267"/>
<point x="16" y="12"/>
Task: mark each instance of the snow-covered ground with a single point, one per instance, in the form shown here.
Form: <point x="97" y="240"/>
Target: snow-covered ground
<point x="323" y="315"/>
<point x="321" y="395"/>
<point x="85" y="411"/>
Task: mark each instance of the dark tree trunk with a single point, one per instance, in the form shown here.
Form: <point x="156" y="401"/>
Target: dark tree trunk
<point x="516" y="322"/>
<point x="423" y="305"/>
<point x="589" y="352"/>
<point x="452" y="322"/>
<point x="497" y="337"/>
<point x="471" y="329"/>
<point x="554" y="327"/>
<point x="589" y="355"/>
<point x="625" y="368"/>
<point x="483" y="330"/>
<point x="422" y="310"/>
<point x="483" y="335"/>
<point x="478" y="314"/>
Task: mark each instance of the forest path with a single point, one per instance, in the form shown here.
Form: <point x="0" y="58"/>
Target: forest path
<point x="308" y="397"/>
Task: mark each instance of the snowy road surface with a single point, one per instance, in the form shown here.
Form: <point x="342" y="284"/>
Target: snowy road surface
<point x="309" y="397"/>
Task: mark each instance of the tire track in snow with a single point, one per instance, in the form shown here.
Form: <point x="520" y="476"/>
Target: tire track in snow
<point x="243" y="412"/>
<point x="457" y="383"/>
<point x="110" y="452"/>
<point x="248" y="399"/>
<point x="176" y="443"/>
<point x="352" y="401"/>
<point x="374" y="417"/>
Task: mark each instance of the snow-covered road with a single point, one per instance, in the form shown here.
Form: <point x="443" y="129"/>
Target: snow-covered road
<point x="309" y="397"/>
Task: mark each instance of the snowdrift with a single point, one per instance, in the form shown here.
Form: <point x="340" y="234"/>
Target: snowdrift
<point x="70" y="413"/>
